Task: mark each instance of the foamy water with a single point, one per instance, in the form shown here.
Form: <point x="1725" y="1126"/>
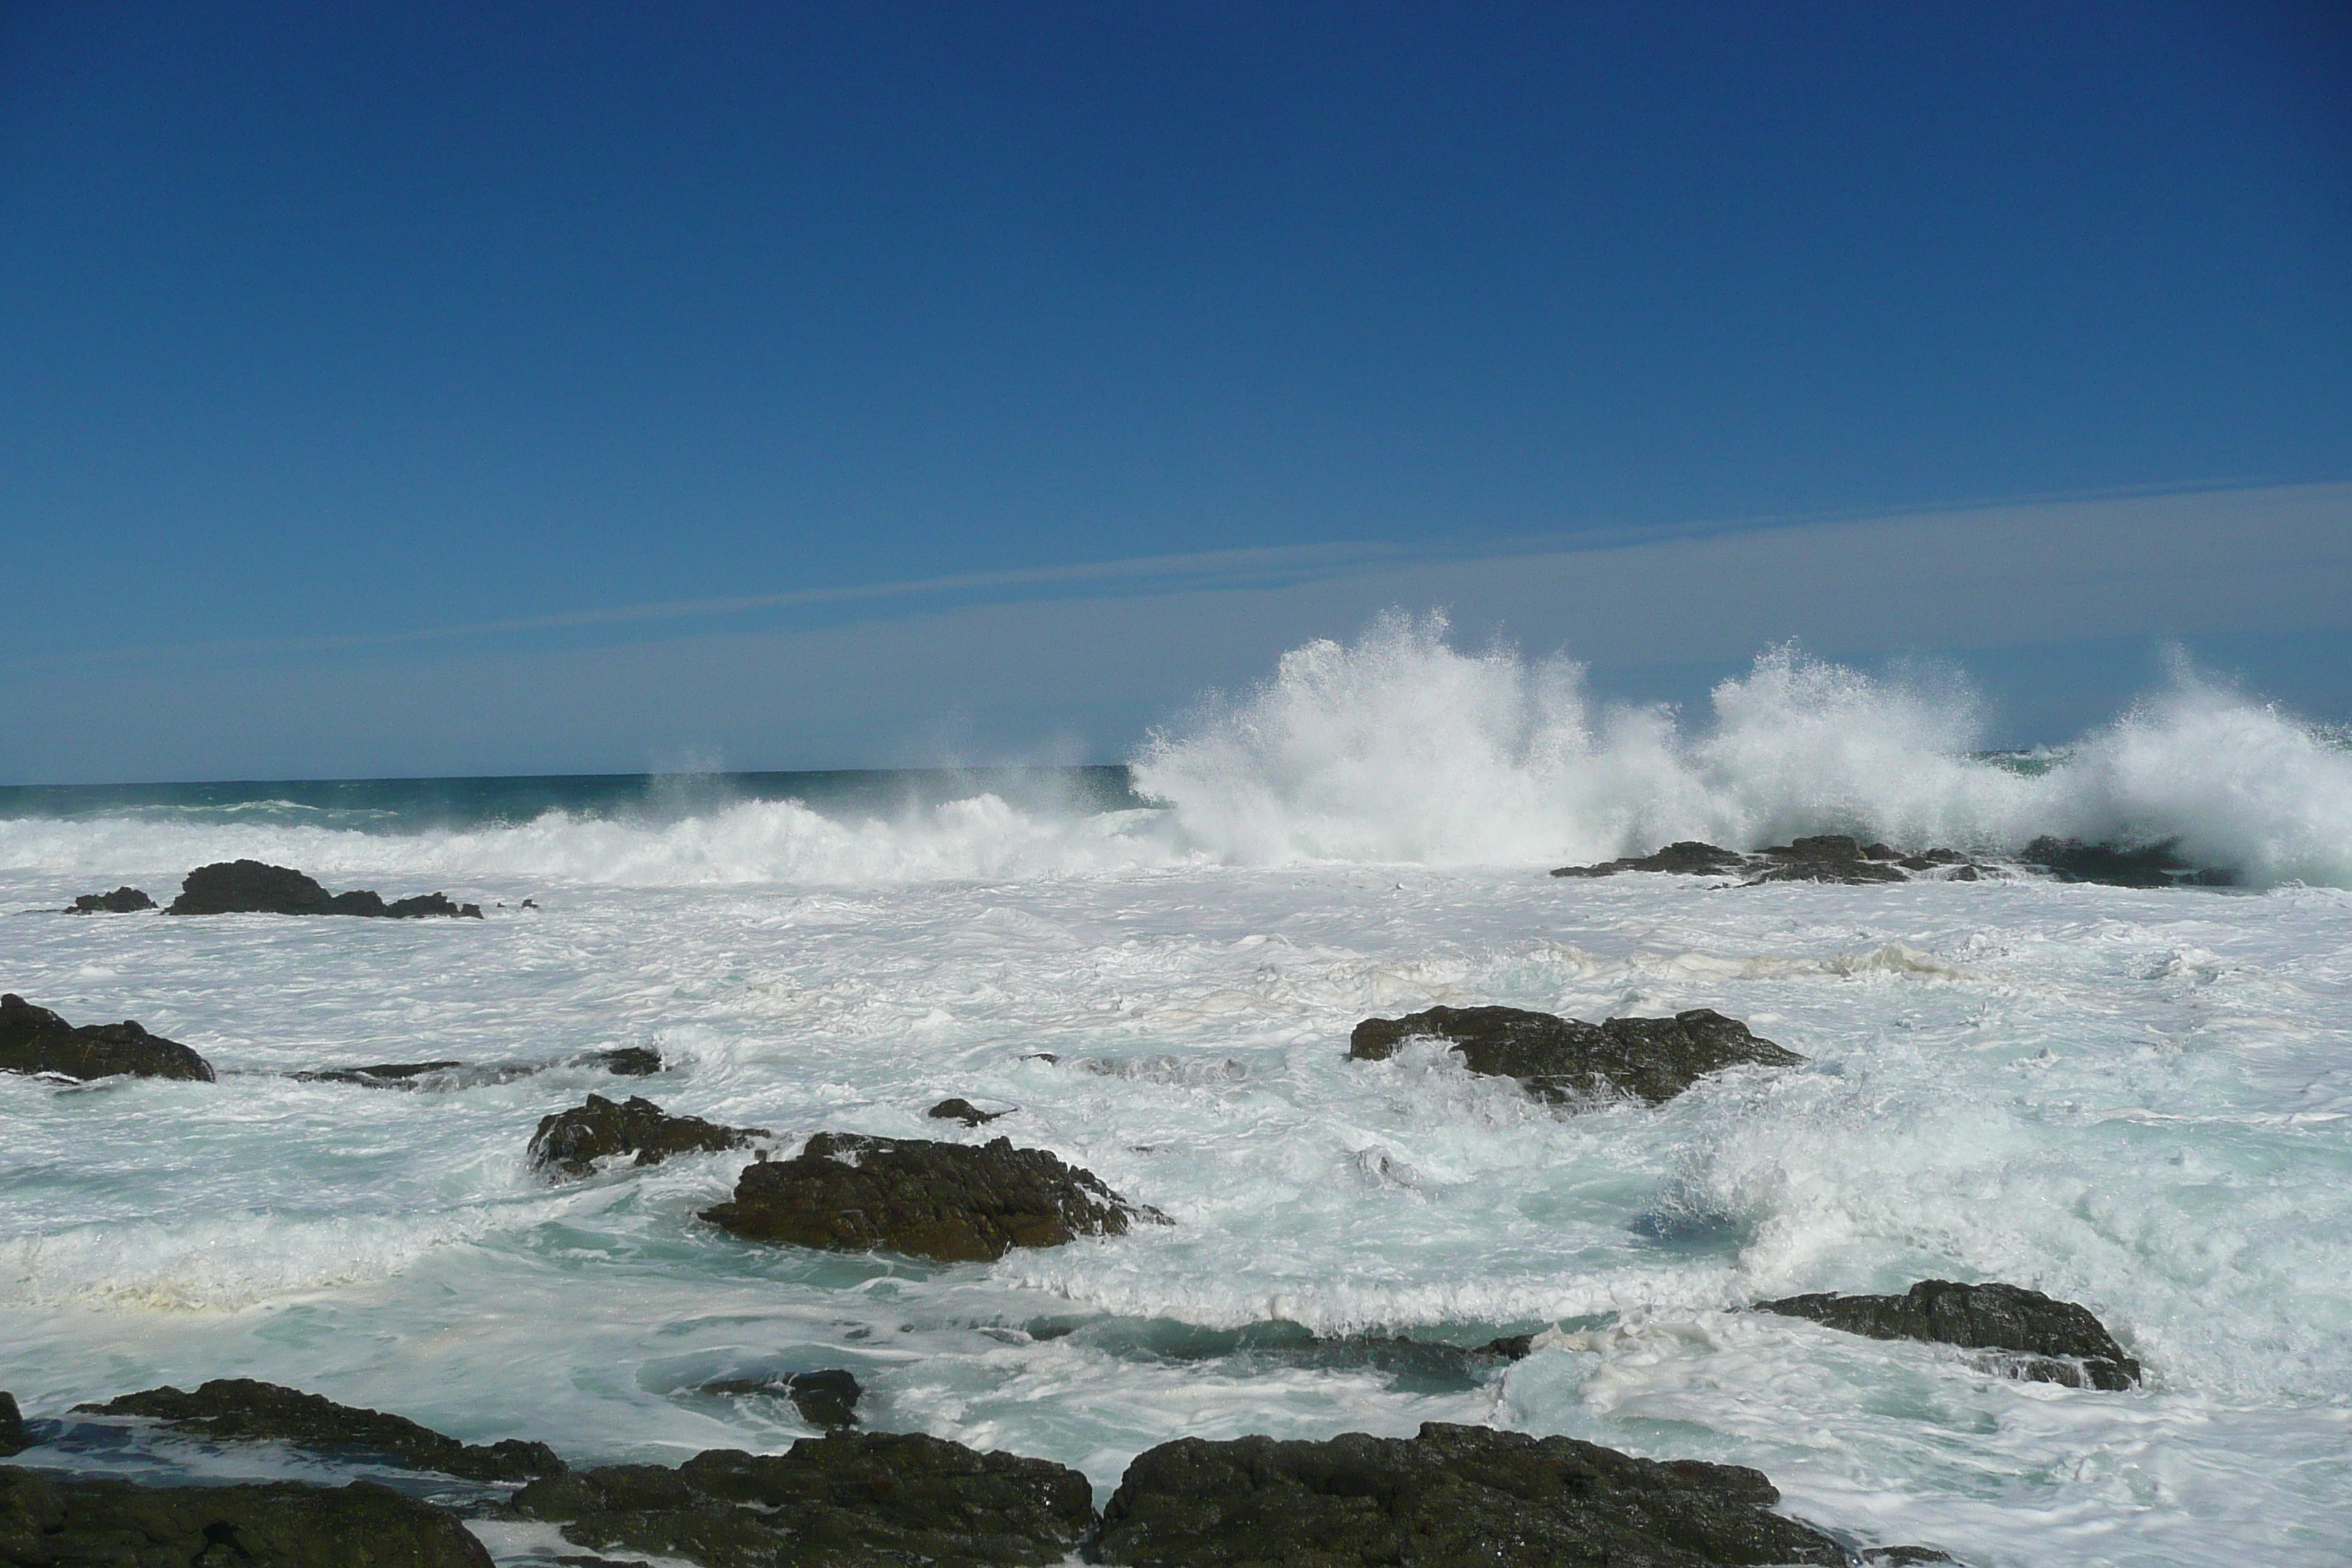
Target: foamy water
<point x="2140" y="1100"/>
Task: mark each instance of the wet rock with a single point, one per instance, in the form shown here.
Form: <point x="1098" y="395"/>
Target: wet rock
<point x="1823" y="858"/>
<point x="627" y="1061"/>
<point x="12" y="1426"/>
<point x="846" y="1500"/>
<point x="1902" y="1556"/>
<point x="1452" y="1496"/>
<point x="242" y="1408"/>
<point x="383" y="1075"/>
<point x="945" y="1201"/>
<point x="1687" y="857"/>
<point x="250" y="887"/>
<point x="47" y="1521"/>
<point x="121" y="901"/>
<point x="827" y="1400"/>
<point x="2055" y="1341"/>
<point x="1564" y="1060"/>
<point x="570" y="1143"/>
<point x="2147" y="866"/>
<point x="963" y="1111"/>
<point x="35" y="1040"/>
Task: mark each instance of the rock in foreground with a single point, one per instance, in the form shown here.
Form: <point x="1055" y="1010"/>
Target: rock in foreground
<point x="1564" y="1060"/>
<point x="123" y="901"/>
<point x="240" y="1407"/>
<point x="253" y="888"/>
<point x="55" y="1521"/>
<point x="2058" y="1340"/>
<point x="35" y="1040"/>
<point x="1453" y="1495"/>
<point x="570" y="1143"/>
<point x="12" y="1439"/>
<point x="945" y="1201"/>
<point x="847" y="1499"/>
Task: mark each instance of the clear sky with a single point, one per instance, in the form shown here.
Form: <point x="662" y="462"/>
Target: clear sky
<point x="377" y="357"/>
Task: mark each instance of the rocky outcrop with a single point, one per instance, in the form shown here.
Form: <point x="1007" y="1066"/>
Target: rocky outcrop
<point x="12" y="1439"/>
<point x="846" y="1499"/>
<point x="1684" y="858"/>
<point x="570" y="1143"/>
<point x="1824" y="857"/>
<point x="35" y="1040"/>
<point x="827" y="1400"/>
<point x="252" y="887"/>
<point x="946" y="1201"/>
<point x="2144" y="866"/>
<point x="1564" y="1060"/>
<point x="963" y="1111"/>
<point x="2050" y="1340"/>
<point x="121" y="901"/>
<point x="1452" y="1496"/>
<point x="242" y="1408"/>
<point x="627" y="1061"/>
<point x="48" y="1521"/>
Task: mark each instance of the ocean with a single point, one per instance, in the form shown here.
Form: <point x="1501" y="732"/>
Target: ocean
<point x="2136" y="1099"/>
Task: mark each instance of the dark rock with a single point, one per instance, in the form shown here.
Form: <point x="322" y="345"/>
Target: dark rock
<point x="571" y="1141"/>
<point x="824" y="1399"/>
<point x="250" y="887"/>
<point x="12" y="1426"/>
<point x="383" y="1075"/>
<point x="1825" y="857"/>
<point x="963" y="1111"/>
<point x="531" y="903"/>
<point x="35" y="1040"/>
<point x="1687" y="857"/>
<point x="628" y="1061"/>
<point x="50" y="1520"/>
<point x="1902" y="1556"/>
<point x="1455" y="1495"/>
<point x="945" y="1201"/>
<point x="2150" y="865"/>
<point x="843" y="1501"/>
<point x="121" y="901"/>
<point x="2059" y="1342"/>
<point x="246" y="1410"/>
<point x="1652" y="1059"/>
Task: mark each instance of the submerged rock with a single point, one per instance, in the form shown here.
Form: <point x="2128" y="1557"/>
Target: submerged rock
<point x="945" y="1201"/>
<point x="383" y="1075"/>
<point x="846" y="1499"/>
<point x="244" y="1409"/>
<point x="121" y="901"/>
<point x="2058" y="1341"/>
<point x="251" y="887"/>
<point x="627" y="1061"/>
<point x="1559" y="1059"/>
<point x="571" y="1141"/>
<point x="1454" y="1495"/>
<point x="824" y="1399"/>
<point x="35" y="1040"/>
<point x="12" y="1426"/>
<point x="48" y="1521"/>
<point x="963" y="1111"/>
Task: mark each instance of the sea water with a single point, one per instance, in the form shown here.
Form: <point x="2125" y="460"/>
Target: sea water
<point x="2137" y="1099"/>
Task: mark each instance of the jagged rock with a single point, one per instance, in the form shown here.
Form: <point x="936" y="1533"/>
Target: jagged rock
<point x="945" y="1201"/>
<point x="250" y="887"/>
<point x="843" y="1500"/>
<point x="1452" y="1496"/>
<point x="628" y="1061"/>
<point x="35" y="1040"/>
<point x="571" y="1141"/>
<point x="1686" y="857"/>
<point x="2147" y="866"/>
<point x="963" y="1111"/>
<point x="1823" y="858"/>
<point x="383" y="1075"/>
<point x="1826" y="858"/>
<point x="12" y="1426"/>
<point x="2057" y="1342"/>
<point x="1563" y="1060"/>
<point x="242" y="1408"/>
<point x="824" y="1399"/>
<point x="48" y="1521"/>
<point x="121" y="901"/>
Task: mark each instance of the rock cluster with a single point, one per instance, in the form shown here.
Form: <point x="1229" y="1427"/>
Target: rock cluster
<point x="1564" y="1060"/>
<point x="121" y="901"/>
<point x="48" y="1521"/>
<point x="950" y="1201"/>
<point x="844" y="1498"/>
<point x="251" y="887"/>
<point x="827" y="1399"/>
<point x="2147" y="866"/>
<point x="35" y="1040"/>
<point x="1454" y="1495"/>
<point x="2051" y="1341"/>
<point x="241" y="1407"/>
<point x="1824" y="857"/>
<point x="570" y="1143"/>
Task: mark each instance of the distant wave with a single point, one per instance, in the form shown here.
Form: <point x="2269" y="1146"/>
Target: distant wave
<point x="1399" y="747"/>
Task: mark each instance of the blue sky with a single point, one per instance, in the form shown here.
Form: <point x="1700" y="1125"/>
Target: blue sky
<point x="450" y="373"/>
